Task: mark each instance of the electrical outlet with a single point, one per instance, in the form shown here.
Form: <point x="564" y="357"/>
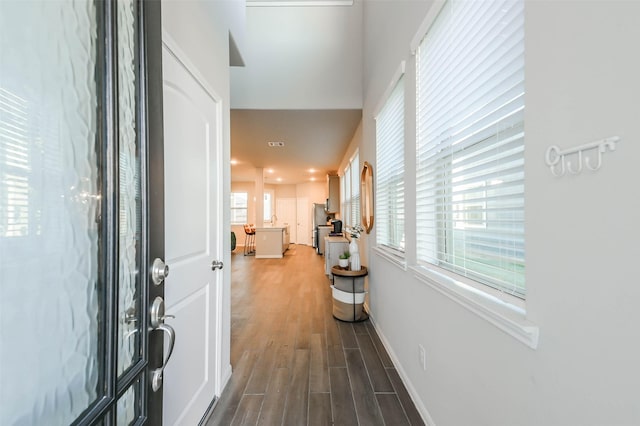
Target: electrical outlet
<point x="422" y="359"/>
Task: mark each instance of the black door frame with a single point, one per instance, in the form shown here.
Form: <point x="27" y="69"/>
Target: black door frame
<point x="151" y="154"/>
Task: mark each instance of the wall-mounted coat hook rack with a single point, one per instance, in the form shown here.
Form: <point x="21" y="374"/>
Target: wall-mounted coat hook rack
<point x="559" y="165"/>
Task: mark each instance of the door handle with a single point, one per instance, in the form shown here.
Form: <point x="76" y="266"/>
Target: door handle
<point x="216" y="264"/>
<point x="156" y="375"/>
<point x="157" y="323"/>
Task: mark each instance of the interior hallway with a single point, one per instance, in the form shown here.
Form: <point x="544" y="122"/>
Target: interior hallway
<point x="293" y="363"/>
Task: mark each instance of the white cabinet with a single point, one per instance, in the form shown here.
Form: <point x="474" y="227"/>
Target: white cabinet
<point x="323" y="231"/>
<point x="334" y="247"/>
<point x="271" y="243"/>
<point x="286" y="238"/>
<point x="333" y="200"/>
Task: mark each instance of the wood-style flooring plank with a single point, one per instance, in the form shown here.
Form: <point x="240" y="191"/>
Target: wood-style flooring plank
<point x="320" y="409"/>
<point x="379" y="379"/>
<point x="248" y="410"/>
<point x="335" y="357"/>
<point x="275" y="398"/>
<point x="348" y="336"/>
<point x="392" y="411"/>
<point x="360" y="328"/>
<point x="318" y="369"/>
<point x="365" y="401"/>
<point x="304" y="330"/>
<point x="405" y="399"/>
<point x="382" y="352"/>
<point x="262" y="370"/>
<point x="286" y="341"/>
<point x="230" y="398"/>
<point x="344" y="410"/>
<point x="320" y="294"/>
<point x="298" y="394"/>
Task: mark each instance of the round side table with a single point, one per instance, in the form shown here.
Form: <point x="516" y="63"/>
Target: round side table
<point x="338" y="271"/>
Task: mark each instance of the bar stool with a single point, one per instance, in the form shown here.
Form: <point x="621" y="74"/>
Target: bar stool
<point x="249" y="240"/>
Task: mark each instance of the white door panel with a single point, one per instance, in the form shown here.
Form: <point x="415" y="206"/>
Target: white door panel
<point x="286" y="212"/>
<point x="304" y="220"/>
<point x="191" y="215"/>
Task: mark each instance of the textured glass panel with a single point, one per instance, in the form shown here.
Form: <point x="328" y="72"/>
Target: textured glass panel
<point x="128" y="408"/>
<point x="130" y="206"/>
<point x="50" y="308"/>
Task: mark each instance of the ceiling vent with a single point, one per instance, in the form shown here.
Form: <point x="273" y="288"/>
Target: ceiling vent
<point x="275" y="144"/>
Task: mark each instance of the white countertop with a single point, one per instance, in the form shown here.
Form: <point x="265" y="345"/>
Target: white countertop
<point x="272" y="228"/>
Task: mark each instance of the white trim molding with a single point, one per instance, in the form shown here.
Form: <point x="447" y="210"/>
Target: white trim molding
<point x="428" y="21"/>
<point x="505" y="316"/>
<point x="390" y="257"/>
<point x="422" y="409"/>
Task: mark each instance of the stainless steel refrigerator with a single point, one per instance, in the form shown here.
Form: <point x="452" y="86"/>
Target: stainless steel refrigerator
<point x="320" y="220"/>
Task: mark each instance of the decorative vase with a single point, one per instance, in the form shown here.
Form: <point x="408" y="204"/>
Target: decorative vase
<point x="353" y="246"/>
<point x="355" y="254"/>
<point x="355" y="261"/>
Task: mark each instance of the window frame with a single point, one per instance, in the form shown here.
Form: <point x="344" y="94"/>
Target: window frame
<point x="396" y="88"/>
<point x="449" y="213"/>
<point x="232" y="208"/>
<point x="350" y="185"/>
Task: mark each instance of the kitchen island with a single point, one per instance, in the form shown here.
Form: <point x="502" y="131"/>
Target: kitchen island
<point x="272" y="242"/>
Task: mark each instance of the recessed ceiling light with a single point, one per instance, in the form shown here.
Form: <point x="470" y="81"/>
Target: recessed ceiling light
<point x="313" y="179"/>
<point x="276" y="144"/>
<point x="312" y="170"/>
<point x="279" y="179"/>
<point x="234" y="162"/>
<point x="270" y="171"/>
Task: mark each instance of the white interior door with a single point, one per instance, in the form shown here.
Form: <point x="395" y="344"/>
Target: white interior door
<point x="193" y="191"/>
<point x="304" y="221"/>
<point x="286" y="212"/>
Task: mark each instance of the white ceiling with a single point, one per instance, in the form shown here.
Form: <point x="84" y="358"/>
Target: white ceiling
<point x="302" y="85"/>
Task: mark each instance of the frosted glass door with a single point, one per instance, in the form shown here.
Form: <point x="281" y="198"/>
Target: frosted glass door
<point x="50" y="201"/>
<point x="73" y="219"/>
<point x="130" y="203"/>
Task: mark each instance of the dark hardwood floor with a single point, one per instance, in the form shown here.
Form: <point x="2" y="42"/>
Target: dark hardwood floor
<point x="293" y="363"/>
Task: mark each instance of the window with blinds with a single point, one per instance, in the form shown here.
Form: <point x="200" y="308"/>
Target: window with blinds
<point x="355" y="190"/>
<point x="239" y="208"/>
<point x="390" y="174"/>
<point x="470" y="143"/>
<point x="350" y="182"/>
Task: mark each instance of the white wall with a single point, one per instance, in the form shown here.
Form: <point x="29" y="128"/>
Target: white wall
<point x="582" y="68"/>
<point x="330" y="78"/>
<point x="315" y="192"/>
<point x="201" y="30"/>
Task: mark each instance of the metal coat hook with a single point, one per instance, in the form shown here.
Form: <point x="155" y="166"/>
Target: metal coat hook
<point x="559" y="165"/>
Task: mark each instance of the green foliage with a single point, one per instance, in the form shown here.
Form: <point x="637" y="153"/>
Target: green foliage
<point x="345" y="255"/>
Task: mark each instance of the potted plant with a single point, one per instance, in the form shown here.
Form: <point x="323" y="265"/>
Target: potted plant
<point x="343" y="259"/>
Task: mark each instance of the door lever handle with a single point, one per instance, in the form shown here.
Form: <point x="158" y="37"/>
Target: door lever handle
<point x="217" y="264"/>
<point x="156" y="375"/>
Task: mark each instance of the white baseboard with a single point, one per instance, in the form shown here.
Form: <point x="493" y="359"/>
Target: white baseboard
<point x="422" y="409"/>
<point x="225" y="377"/>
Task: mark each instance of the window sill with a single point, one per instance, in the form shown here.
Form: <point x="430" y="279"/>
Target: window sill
<point x="391" y="258"/>
<point x="507" y="317"/>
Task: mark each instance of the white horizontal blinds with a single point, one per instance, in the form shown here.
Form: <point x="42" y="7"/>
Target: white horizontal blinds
<point x="390" y="174"/>
<point x="239" y="206"/>
<point x="15" y="163"/>
<point x="346" y="213"/>
<point x="470" y="144"/>
<point x="355" y="190"/>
